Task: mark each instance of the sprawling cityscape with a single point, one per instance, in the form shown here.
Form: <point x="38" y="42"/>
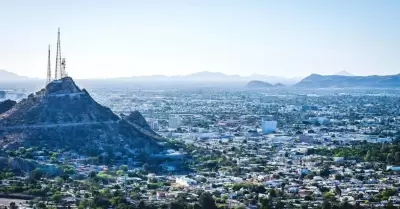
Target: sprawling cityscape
<point x="272" y="148"/>
<point x="200" y="104"/>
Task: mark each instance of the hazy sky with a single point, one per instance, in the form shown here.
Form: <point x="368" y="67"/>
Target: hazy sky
<point x="116" y="38"/>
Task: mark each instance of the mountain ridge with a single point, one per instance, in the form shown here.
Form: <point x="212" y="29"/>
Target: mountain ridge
<point x="339" y="81"/>
<point x="10" y="76"/>
<point x="201" y="76"/>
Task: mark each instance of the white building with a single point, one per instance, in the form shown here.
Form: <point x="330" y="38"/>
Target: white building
<point x="154" y="125"/>
<point x="185" y="182"/>
<point x="174" y="122"/>
<point x="268" y="126"/>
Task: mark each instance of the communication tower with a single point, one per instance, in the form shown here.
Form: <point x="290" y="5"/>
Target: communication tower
<point x="63" y="64"/>
<point x="58" y="70"/>
<point x="48" y="68"/>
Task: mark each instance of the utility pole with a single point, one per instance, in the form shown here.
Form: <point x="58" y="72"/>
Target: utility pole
<point x="48" y="68"/>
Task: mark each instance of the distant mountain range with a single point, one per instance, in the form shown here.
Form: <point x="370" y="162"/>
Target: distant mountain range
<point x="199" y="77"/>
<point x="9" y="76"/>
<point x="339" y="81"/>
<point x="212" y="77"/>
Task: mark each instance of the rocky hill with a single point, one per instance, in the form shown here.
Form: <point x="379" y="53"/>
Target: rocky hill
<point x="339" y="81"/>
<point x="6" y="105"/>
<point x="64" y="116"/>
<point x="279" y="85"/>
<point x="258" y="84"/>
<point x="136" y="118"/>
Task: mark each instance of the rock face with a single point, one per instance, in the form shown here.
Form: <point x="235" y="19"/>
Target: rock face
<point x="64" y="116"/>
<point x="258" y="84"/>
<point x="6" y="105"/>
<point x="339" y="81"/>
<point x="136" y="118"/>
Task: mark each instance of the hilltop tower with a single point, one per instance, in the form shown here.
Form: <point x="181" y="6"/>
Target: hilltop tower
<point x="58" y="71"/>
<point x="48" y="68"/>
<point x="63" y="64"/>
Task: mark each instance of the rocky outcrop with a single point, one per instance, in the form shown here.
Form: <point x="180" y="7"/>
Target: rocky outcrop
<point x="138" y="119"/>
<point x="6" y="105"/>
<point x="64" y="116"/>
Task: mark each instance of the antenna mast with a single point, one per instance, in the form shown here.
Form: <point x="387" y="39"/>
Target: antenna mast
<point x="63" y="64"/>
<point x="58" y="58"/>
<point x="48" y="68"/>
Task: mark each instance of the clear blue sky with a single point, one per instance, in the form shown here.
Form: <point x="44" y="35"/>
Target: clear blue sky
<point x="104" y="38"/>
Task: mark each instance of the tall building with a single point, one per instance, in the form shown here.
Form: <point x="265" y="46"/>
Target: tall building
<point x="268" y="126"/>
<point x="154" y="125"/>
<point x="174" y="122"/>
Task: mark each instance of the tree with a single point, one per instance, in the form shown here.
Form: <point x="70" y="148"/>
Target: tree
<point x="326" y="205"/>
<point x="345" y="205"/>
<point x="308" y="198"/>
<point x="13" y="205"/>
<point x="397" y="157"/>
<point x="124" y="168"/>
<point x="176" y="205"/>
<point x="260" y="189"/>
<point x="92" y="174"/>
<point x="41" y="205"/>
<point x="283" y="186"/>
<point x="279" y="205"/>
<point x="338" y="191"/>
<point x="338" y="177"/>
<point x="324" y="172"/>
<point x="266" y="203"/>
<point x="120" y="172"/>
<point x="56" y="197"/>
<point x="53" y="160"/>
<point x="384" y="148"/>
<point x="389" y="158"/>
<point x="272" y="193"/>
<point x="206" y="201"/>
<point x="36" y="174"/>
<point x="368" y="156"/>
<point x="146" y="167"/>
<point x="329" y="195"/>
